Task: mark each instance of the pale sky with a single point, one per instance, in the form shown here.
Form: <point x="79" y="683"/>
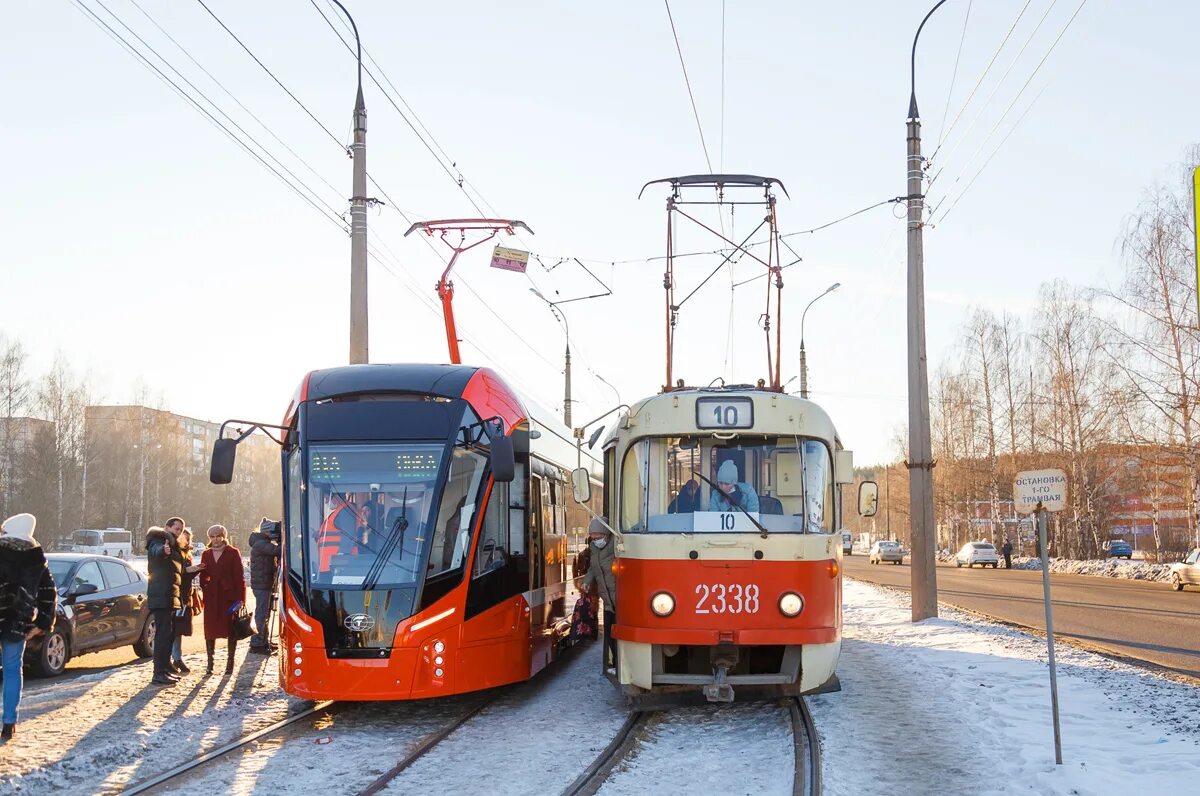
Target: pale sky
<point x="143" y="244"/>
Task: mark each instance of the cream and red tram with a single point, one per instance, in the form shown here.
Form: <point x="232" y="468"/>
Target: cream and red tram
<point x="712" y="599"/>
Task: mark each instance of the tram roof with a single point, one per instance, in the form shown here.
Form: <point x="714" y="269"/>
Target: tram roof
<point x="448" y="381"/>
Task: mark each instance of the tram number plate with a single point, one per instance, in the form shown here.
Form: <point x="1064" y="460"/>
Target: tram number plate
<point x="721" y="598"/>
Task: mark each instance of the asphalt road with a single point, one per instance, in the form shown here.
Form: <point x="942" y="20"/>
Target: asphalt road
<point x="1136" y="619"/>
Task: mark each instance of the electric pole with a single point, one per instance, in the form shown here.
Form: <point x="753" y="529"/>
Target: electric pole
<point x="920" y="453"/>
<point x="567" y="385"/>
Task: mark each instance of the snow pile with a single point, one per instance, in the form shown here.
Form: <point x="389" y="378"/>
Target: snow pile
<point x="955" y="705"/>
<point x="1108" y="568"/>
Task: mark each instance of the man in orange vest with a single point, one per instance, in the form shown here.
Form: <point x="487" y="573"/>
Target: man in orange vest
<point x="339" y="532"/>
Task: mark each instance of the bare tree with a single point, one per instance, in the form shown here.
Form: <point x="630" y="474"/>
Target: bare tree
<point x="14" y="400"/>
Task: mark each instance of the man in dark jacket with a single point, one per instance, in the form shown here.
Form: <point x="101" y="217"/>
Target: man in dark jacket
<point x="27" y="605"/>
<point x="164" y="565"/>
<point x="264" y="575"/>
<point x="1007" y="550"/>
<point x="600" y="581"/>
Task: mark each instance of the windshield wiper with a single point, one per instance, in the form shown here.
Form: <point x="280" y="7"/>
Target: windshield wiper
<point x="395" y="534"/>
<point x="762" y="528"/>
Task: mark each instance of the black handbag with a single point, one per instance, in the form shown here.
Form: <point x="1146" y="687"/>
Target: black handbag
<point x="240" y="627"/>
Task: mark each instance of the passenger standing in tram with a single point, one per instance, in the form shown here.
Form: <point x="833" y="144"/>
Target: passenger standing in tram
<point x="733" y="493"/>
<point x="601" y="582"/>
<point x="224" y="584"/>
<point x="688" y="499"/>
<point x="189" y="600"/>
<point x="27" y="606"/>
<point x="164" y="568"/>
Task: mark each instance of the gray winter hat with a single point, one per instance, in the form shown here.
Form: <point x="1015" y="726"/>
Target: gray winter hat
<point x="20" y="526"/>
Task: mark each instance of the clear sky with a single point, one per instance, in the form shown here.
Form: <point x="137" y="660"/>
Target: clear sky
<point x="142" y="243"/>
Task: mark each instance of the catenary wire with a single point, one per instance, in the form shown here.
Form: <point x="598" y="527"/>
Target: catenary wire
<point x="688" y="83"/>
<point x="954" y="75"/>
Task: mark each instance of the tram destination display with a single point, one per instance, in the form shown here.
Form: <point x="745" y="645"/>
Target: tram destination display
<point x="724" y="413"/>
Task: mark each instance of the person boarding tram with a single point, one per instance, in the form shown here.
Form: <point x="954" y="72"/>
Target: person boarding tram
<point x="600" y="581"/>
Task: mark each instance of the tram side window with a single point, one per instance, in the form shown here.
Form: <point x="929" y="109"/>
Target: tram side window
<point x="490" y="553"/>
<point x="295" y="513"/>
<point x="452" y="534"/>
<point x="516" y="511"/>
<point x="818" y="488"/>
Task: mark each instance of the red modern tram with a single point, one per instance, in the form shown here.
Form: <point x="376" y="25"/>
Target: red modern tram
<point x="426" y="523"/>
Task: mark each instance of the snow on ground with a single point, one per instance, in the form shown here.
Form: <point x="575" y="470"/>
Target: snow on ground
<point x="956" y="705"/>
<point x="536" y="738"/>
<point x="739" y="748"/>
<point x="1107" y="568"/>
<point x="101" y="732"/>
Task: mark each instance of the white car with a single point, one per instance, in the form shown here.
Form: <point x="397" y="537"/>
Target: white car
<point x="1186" y="571"/>
<point x="981" y="553"/>
<point x="886" y="550"/>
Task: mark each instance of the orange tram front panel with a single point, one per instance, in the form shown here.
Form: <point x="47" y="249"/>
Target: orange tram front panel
<point x="434" y="653"/>
<point x="728" y="601"/>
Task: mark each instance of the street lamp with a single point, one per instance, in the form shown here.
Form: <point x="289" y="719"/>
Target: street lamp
<point x="803" y="355"/>
<point x="358" y="217"/>
<point x="920" y="464"/>
<point x="562" y="318"/>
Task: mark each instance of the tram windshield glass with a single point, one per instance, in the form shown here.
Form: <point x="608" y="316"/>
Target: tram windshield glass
<point x="785" y="483"/>
<point x="375" y="519"/>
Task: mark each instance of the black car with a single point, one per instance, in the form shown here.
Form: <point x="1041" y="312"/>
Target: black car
<point x="101" y="605"/>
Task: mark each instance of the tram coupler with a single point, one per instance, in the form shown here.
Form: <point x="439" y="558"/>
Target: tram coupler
<point x="723" y="657"/>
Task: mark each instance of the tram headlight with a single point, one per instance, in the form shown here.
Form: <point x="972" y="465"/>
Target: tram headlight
<point x="438" y="672"/>
<point x="296" y="672"/>
<point x="298" y="648"/>
<point x="791" y="604"/>
<point x="662" y="604"/>
<point x="439" y="647"/>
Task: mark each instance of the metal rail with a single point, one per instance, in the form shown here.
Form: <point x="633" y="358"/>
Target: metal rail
<point x="220" y="751"/>
<point x="807" y="743"/>
<point x="595" y="774"/>
<point x="430" y="741"/>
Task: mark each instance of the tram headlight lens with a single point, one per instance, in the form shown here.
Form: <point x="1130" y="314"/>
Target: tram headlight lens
<point x="298" y="648"/>
<point x="296" y="672"/>
<point x="791" y="604"/>
<point x="662" y="604"/>
<point x="298" y="660"/>
<point x="439" y="647"/>
<point x="438" y="672"/>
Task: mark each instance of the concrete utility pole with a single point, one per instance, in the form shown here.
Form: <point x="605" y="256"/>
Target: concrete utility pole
<point x="358" y="218"/>
<point x="920" y="450"/>
<point x="567" y="384"/>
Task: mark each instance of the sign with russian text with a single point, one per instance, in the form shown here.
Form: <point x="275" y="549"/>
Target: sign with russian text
<point x="510" y="259"/>
<point x="1046" y="489"/>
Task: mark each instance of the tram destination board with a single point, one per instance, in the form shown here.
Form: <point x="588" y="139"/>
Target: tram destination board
<point x="722" y="413"/>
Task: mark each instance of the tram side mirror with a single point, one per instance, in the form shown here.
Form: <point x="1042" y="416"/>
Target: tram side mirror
<point x="868" y="498"/>
<point x="581" y="485"/>
<point x="504" y="463"/>
<point x="223" y="454"/>
<point x="592" y="440"/>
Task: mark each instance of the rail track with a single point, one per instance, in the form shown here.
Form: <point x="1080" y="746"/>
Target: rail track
<point x="806" y="743"/>
<point x="149" y="784"/>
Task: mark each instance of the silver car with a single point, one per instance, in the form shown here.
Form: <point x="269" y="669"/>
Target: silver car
<point x="886" y="550"/>
<point x="1187" y="571"/>
<point x="981" y="553"/>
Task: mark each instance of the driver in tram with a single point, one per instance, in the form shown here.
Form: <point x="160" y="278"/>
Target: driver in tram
<point x="732" y="492"/>
<point x="344" y="529"/>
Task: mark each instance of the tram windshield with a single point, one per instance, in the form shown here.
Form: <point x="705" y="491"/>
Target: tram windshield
<point x="375" y="519"/>
<point x="785" y="483"/>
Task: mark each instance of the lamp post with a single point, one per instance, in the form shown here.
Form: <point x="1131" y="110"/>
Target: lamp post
<point x="803" y="355"/>
<point x="562" y="318"/>
<point x="358" y="217"/>
<point x="920" y="453"/>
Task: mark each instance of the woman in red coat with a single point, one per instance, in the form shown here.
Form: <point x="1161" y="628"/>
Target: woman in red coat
<point x="224" y="584"/>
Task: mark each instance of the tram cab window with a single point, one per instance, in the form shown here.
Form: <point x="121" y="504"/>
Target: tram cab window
<point x="784" y="483"/>
<point x="295" y="509"/>
<point x="452" y="534"/>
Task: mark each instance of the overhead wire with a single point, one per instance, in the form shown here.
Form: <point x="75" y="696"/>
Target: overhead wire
<point x="954" y="75"/>
<point x="687" y="82"/>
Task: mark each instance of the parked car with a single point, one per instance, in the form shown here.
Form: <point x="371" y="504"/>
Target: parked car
<point x="1186" y="571"/>
<point x="101" y="605"/>
<point x="847" y="543"/>
<point x="886" y="550"/>
<point x="981" y="553"/>
<point x="1119" y="548"/>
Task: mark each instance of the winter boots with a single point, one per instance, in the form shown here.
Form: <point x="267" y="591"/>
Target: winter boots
<point x="211" y="646"/>
<point x="230" y="656"/>
<point x="7" y="733"/>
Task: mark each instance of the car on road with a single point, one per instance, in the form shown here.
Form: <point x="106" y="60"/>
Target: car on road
<point x="886" y="550"/>
<point x="101" y="605"/>
<point x="1186" y="571"/>
<point x="1119" y="548"/>
<point x="981" y="553"/>
<point x="847" y="543"/>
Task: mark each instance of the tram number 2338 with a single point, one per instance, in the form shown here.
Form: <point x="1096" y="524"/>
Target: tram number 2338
<point x="720" y="598"/>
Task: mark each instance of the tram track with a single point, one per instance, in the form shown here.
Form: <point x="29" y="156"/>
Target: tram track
<point x="806" y="744"/>
<point x="145" y="786"/>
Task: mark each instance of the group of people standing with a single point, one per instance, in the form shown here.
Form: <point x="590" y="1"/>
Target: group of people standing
<point x="174" y="598"/>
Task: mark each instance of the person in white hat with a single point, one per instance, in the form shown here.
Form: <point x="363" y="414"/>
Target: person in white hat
<point x="27" y="606"/>
<point x="600" y="581"/>
<point x="731" y="492"/>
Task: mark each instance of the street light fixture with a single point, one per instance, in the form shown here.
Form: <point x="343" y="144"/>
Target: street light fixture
<point x="803" y="355"/>
<point x="562" y="318"/>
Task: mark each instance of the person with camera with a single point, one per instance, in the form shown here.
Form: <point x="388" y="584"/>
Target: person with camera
<point x="264" y="576"/>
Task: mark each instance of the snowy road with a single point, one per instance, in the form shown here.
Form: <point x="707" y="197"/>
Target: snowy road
<point x="953" y="705"/>
<point x="1138" y="619"/>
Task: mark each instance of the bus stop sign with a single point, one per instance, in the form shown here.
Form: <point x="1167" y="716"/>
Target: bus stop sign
<point x="1045" y="487"/>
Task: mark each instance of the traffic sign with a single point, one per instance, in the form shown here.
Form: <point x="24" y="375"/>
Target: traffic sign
<point x="1044" y="488"/>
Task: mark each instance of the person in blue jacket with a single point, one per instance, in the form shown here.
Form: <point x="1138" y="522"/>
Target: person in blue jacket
<point x="733" y="493"/>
